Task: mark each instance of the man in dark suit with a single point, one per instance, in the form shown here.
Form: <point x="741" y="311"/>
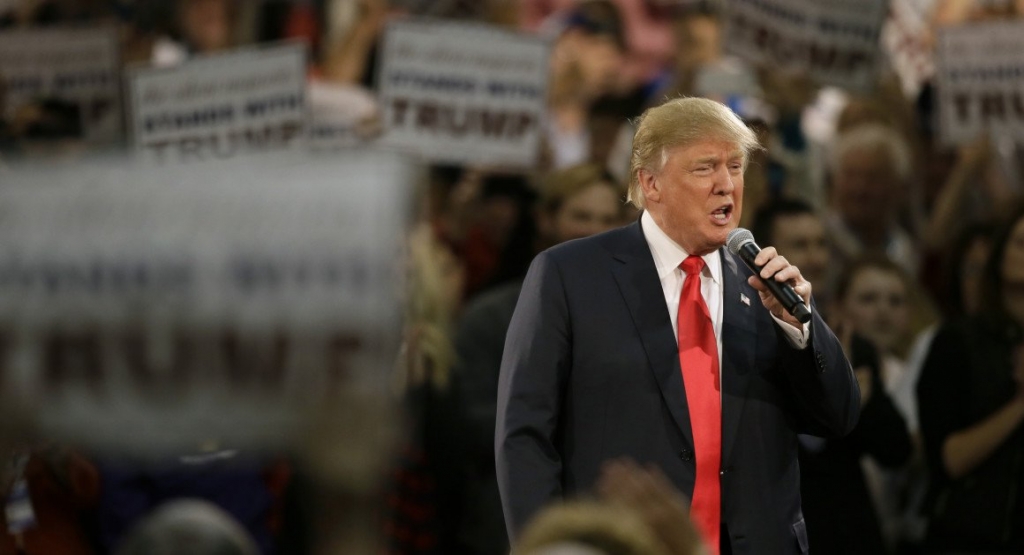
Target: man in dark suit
<point x="654" y="343"/>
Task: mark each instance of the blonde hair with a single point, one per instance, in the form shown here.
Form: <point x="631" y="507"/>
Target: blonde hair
<point x="605" y="528"/>
<point x="429" y="353"/>
<point x="682" y="122"/>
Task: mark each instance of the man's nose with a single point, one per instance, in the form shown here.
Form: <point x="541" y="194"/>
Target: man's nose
<point x="724" y="181"/>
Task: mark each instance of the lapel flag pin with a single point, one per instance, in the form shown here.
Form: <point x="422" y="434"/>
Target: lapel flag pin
<point x="744" y="299"/>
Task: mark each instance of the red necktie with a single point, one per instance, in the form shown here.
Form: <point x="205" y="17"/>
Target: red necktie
<point x="698" y="358"/>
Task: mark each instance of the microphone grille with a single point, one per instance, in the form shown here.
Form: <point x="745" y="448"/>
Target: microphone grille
<point x="737" y="238"/>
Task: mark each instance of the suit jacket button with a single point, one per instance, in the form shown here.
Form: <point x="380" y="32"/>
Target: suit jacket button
<point x="686" y="455"/>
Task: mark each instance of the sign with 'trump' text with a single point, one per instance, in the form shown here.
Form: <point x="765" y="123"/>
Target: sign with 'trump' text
<point x="836" y="42"/>
<point x="149" y="308"/>
<point x="455" y="92"/>
<point x="250" y="101"/>
<point x="980" y="70"/>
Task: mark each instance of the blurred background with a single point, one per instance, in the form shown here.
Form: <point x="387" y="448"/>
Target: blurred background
<point x="258" y="259"/>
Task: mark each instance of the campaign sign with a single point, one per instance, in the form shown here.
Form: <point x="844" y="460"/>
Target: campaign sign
<point x="73" y="67"/>
<point x="980" y="70"/>
<point x="250" y="101"/>
<point x="150" y="308"/>
<point x="462" y="93"/>
<point x="836" y="42"/>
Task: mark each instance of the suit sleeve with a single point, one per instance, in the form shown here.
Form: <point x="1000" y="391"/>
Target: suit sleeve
<point x="534" y="370"/>
<point x="823" y="387"/>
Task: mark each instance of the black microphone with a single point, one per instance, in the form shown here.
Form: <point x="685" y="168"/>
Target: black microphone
<point x="741" y="243"/>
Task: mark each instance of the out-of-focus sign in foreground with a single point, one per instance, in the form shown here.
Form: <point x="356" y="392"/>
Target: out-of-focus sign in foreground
<point x="981" y="81"/>
<point x="151" y="308"/>
<point x="455" y="92"/>
<point x="834" y="41"/>
<point x="251" y="101"/>
<point x="78" y="66"/>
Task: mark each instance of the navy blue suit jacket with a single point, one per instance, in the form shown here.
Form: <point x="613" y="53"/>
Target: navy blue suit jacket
<point x="591" y="373"/>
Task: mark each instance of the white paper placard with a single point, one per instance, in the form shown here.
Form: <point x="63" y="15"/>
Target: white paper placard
<point x="78" y="66"/>
<point x="981" y="82"/>
<point x="455" y="92"/>
<point x="147" y="308"/>
<point x="836" y="42"/>
<point x="246" y="102"/>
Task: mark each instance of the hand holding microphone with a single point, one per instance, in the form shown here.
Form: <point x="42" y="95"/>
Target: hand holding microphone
<point x="783" y="290"/>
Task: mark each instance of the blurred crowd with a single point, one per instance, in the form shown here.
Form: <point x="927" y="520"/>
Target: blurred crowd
<point x="915" y="251"/>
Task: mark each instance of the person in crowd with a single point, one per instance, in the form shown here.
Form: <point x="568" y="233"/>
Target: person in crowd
<point x="976" y="186"/>
<point x="798" y="233"/>
<point x="587" y="528"/>
<point x="837" y="503"/>
<point x="188" y="527"/>
<point x="586" y="60"/>
<point x="637" y="512"/>
<point x="648" y="493"/>
<point x="242" y="484"/>
<point x="425" y="489"/>
<point x="202" y="27"/>
<point x="871" y="166"/>
<point x="575" y="202"/>
<point x="874" y="300"/>
<point x="971" y="401"/>
<point x="490" y="225"/>
<point x="654" y="343"/>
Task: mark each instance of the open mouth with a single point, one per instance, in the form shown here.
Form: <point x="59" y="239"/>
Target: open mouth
<point x="723" y="215"/>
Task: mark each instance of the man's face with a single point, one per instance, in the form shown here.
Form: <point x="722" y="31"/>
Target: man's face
<point x="867" y="191"/>
<point x="801" y="239"/>
<point x="697" y="197"/>
<point x="589" y="212"/>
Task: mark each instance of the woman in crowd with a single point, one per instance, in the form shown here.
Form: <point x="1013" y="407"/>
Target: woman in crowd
<point x="971" y="401"/>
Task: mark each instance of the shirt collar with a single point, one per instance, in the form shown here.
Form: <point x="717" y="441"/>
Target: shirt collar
<point x="668" y="255"/>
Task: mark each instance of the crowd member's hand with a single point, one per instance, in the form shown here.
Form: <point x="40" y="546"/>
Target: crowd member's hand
<point x="648" y="493"/>
<point x="865" y="380"/>
<point x="774" y="266"/>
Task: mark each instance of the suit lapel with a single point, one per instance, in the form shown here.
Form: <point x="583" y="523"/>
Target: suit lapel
<point x="739" y="343"/>
<point x="638" y="282"/>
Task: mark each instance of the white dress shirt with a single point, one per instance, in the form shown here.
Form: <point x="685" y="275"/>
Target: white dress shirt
<point x="668" y="255"/>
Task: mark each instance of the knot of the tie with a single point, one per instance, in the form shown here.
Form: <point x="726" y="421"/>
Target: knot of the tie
<point x="692" y="264"/>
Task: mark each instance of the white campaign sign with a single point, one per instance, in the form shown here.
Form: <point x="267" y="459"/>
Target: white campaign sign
<point x="148" y="307"/>
<point x="463" y="93"/>
<point x="981" y="81"/>
<point x="836" y="42"/>
<point x="250" y="101"/>
<point x="78" y="66"/>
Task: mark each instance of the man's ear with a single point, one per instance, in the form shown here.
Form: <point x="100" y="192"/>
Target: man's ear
<point x="650" y="185"/>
